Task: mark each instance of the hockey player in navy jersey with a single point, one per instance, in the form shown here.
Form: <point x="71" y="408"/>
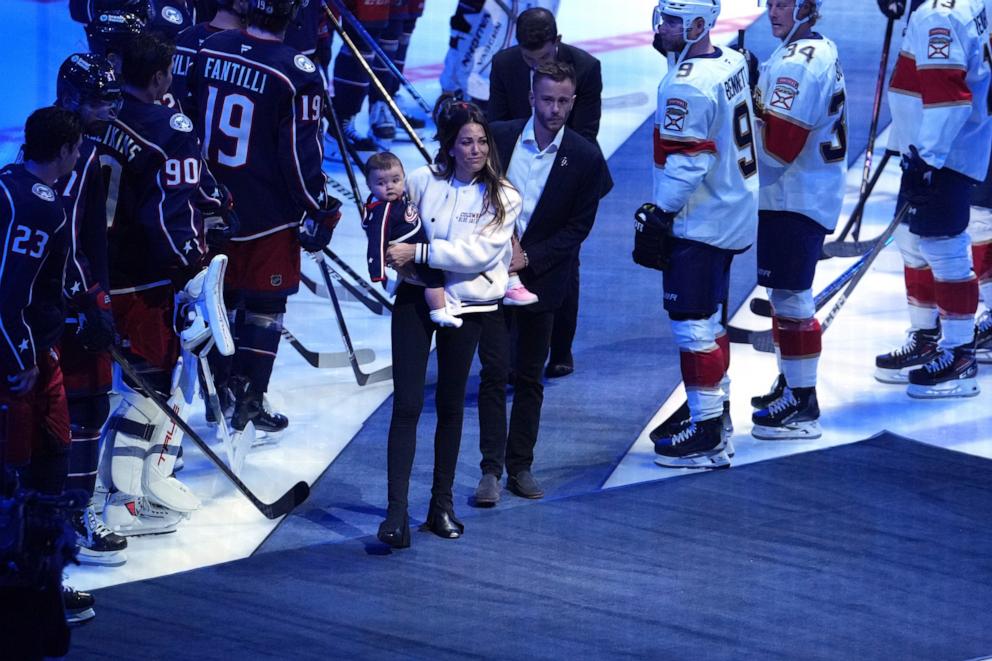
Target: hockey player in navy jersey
<point x="939" y="94"/>
<point x="230" y="16"/>
<point x="35" y="246"/>
<point x="706" y="192"/>
<point x="802" y="150"/>
<point x="156" y="244"/>
<point x="88" y="86"/>
<point x="109" y="31"/>
<point x="260" y="105"/>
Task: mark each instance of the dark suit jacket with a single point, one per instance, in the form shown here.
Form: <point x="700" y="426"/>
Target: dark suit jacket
<point x="509" y="89"/>
<point x="564" y="213"/>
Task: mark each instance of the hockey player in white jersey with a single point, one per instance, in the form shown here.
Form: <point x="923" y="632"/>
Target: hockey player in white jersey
<point x="706" y="189"/>
<point x="802" y="155"/>
<point x="939" y="97"/>
<point x="480" y="29"/>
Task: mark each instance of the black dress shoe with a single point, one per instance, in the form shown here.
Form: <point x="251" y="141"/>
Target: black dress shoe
<point x="558" y="370"/>
<point x="444" y="523"/>
<point x="395" y="531"/>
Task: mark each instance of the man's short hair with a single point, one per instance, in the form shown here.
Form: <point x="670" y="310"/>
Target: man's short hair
<point x="536" y="27"/>
<point x="47" y="130"/>
<point x="383" y="161"/>
<point x="556" y="71"/>
<point x="145" y="55"/>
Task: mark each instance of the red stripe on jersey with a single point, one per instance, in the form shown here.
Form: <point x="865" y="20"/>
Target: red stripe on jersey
<point x="798" y="339"/>
<point x="942" y="87"/>
<point x="723" y="341"/>
<point x="919" y="286"/>
<point x="905" y="78"/>
<point x="663" y="148"/>
<point x="981" y="256"/>
<point x="957" y="299"/>
<point x="702" y="369"/>
<point x="784" y="139"/>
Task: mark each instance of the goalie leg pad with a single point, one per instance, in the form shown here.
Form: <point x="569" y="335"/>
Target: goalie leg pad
<point x="127" y="438"/>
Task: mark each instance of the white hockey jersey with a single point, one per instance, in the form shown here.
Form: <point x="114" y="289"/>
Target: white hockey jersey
<point x="802" y="140"/>
<point x="939" y="93"/>
<point x="705" y="165"/>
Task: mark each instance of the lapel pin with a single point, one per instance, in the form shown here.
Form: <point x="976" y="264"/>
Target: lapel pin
<point x="564" y="161"/>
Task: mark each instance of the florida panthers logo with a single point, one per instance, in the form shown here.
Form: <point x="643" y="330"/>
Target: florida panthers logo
<point x="939" y="45"/>
<point x="785" y="93"/>
<point x="675" y="112"/>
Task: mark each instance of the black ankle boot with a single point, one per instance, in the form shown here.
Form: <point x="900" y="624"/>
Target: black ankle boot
<point x="442" y="522"/>
<point x="395" y="530"/>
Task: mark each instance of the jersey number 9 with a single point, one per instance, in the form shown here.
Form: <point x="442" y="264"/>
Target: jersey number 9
<point x="744" y="137"/>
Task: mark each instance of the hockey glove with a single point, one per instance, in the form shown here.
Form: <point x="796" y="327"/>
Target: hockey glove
<point x="652" y="234"/>
<point x="893" y="9"/>
<point x="316" y="230"/>
<point x="219" y="219"/>
<point x="917" y="178"/>
<point x="96" y="321"/>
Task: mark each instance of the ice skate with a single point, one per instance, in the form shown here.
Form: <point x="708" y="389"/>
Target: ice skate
<point x="697" y="445"/>
<point x="983" y="338"/>
<point x="951" y="373"/>
<point x="794" y="416"/>
<point x="681" y="418"/>
<point x="133" y="516"/>
<point x="920" y="348"/>
<point x="762" y="401"/>
<point x="382" y="122"/>
<point x="98" y="544"/>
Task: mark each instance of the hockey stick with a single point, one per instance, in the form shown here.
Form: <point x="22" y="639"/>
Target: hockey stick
<point x="345" y="150"/>
<point x="284" y="505"/>
<point x="841" y="248"/>
<point x="400" y="117"/>
<point x="382" y="374"/>
<point x="763" y="307"/>
<point x="213" y="401"/>
<point x="359" y="29"/>
<point x="373" y="305"/>
<point x="371" y="290"/>
<point x="326" y="359"/>
<point x="876" y="110"/>
<point x="763" y="341"/>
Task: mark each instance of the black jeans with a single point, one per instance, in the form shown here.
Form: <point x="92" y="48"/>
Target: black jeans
<point x="566" y="321"/>
<point x="515" y="449"/>
<point x="411" y="332"/>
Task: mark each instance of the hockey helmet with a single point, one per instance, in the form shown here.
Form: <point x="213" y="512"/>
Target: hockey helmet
<point x="110" y="30"/>
<point x="278" y="8"/>
<point x="688" y="11"/>
<point x="86" y="76"/>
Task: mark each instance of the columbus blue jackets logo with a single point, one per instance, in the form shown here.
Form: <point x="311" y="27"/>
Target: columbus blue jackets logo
<point x="304" y="63"/>
<point x="181" y="122"/>
<point x="939" y="46"/>
<point x="675" y="112"/>
<point x="172" y="15"/>
<point x="785" y="93"/>
<point x="410" y="214"/>
<point x="44" y="192"/>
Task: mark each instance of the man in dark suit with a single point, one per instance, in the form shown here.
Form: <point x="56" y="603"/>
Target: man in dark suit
<point x="559" y="175"/>
<point x="510" y="82"/>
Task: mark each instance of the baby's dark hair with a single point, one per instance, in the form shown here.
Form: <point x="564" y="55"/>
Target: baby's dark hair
<point x="382" y="161"/>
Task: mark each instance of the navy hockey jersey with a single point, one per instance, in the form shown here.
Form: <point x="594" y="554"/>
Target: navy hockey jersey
<point x="260" y="103"/>
<point x="153" y="178"/>
<point x="84" y="198"/>
<point x="188" y="42"/>
<point x="33" y="229"/>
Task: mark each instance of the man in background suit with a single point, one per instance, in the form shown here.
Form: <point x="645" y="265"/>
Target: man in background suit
<point x="510" y="83"/>
<point x="560" y="177"/>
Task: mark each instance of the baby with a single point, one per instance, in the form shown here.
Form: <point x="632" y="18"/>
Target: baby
<point x="391" y="218"/>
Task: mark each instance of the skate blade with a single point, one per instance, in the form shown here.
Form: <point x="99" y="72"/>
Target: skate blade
<point x="897" y="377"/>
<point x="983" y="356"/>
<point x="713" y="460"/>
<point x="804" y="431"/>
<point x="728" y="447"/>
<point x="110" y="559"/>
<point x="960" y="388"/>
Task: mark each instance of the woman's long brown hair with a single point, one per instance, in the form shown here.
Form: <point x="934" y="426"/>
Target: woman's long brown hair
<point x="451" y="116"/>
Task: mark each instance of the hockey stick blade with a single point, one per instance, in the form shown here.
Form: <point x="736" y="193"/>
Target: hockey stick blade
<point x="761" y="307"/>
<point x="739" y="335"/>
<point x="327" y="359"/>
<point x="284" y="505"/>
<point x="849" y="248"/>
<point x="362" y="378"/>
<point x="763" y="341"/>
